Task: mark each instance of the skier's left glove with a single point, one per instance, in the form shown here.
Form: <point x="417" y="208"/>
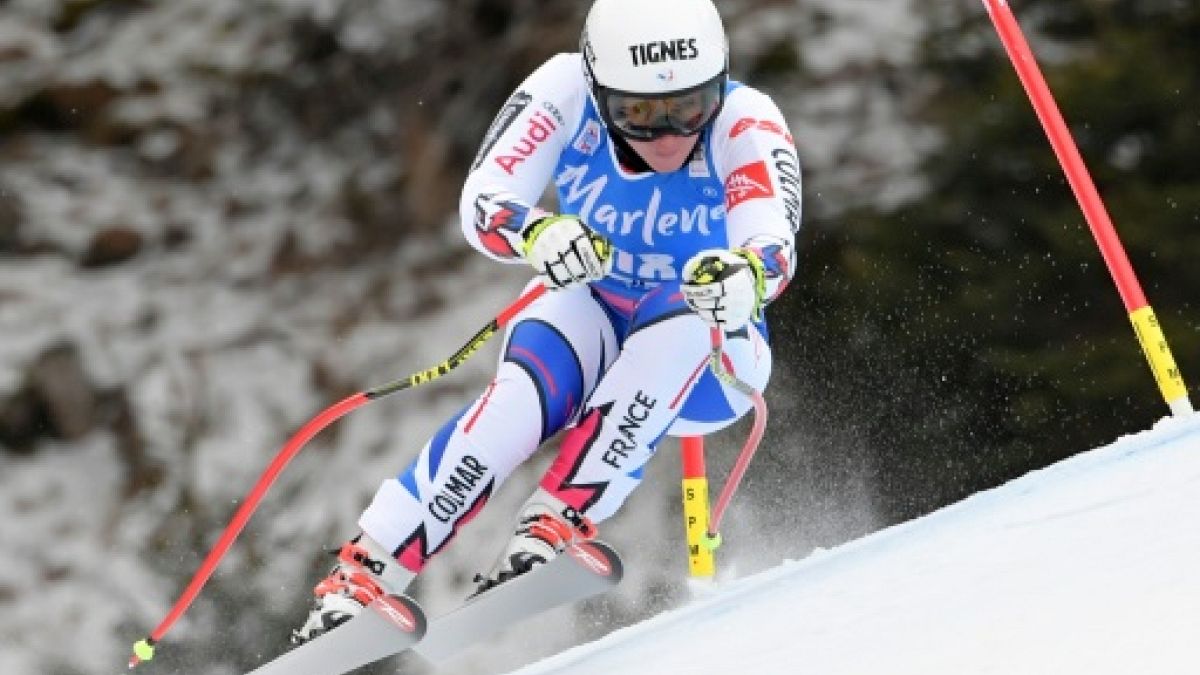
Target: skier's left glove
<point x="725" y="288"/>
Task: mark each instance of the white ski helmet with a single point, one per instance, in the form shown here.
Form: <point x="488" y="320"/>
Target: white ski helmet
<point x="655" y="66"/>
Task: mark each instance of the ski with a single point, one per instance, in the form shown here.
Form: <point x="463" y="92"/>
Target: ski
<point x="582" y="571"/>
<point x="388" y="625"/>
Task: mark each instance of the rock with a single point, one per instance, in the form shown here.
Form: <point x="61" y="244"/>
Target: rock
<point x="112" y="246"/>
<point x="10" y="222"/>
<point x="57" y="401"/>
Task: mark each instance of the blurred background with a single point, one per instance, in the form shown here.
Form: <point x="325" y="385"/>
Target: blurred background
<point x="218" y="217"/>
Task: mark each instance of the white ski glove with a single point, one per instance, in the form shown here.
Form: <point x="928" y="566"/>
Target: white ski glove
<point x="725" y="287"/>
<point x="565" y="251"/>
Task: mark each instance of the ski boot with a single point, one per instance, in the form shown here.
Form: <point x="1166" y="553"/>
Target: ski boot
<point x="364" y="572"/>
<point x="545" y="528"/>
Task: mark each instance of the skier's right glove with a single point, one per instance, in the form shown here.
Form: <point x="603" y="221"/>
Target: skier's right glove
<point x="565" y="251"/>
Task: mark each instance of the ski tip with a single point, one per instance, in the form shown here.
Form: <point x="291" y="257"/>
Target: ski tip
<point x="404" y="613"/>
<point x="599" y="558"/>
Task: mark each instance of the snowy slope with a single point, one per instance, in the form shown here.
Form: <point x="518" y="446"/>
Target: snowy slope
<point x="1088" y="566"/>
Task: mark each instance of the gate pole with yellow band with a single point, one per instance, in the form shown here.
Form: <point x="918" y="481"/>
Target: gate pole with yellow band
<point x="1145" y="324"/>
<point x="701" y="564"/>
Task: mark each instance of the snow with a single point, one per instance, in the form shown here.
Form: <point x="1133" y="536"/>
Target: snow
<point x="1087" y="566"/>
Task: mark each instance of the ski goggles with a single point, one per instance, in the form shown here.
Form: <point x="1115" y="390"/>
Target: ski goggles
<point x="645" y="117"/>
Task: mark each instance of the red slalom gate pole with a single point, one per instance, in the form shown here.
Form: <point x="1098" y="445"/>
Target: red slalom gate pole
<point x="1145" y="323"/>
<point x="701" y="559"/>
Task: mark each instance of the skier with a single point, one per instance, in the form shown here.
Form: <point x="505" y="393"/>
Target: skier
<point x="678" y="200"/>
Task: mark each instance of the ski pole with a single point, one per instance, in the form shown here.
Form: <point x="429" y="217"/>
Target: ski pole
<point x="720" y="368"/>
<point x="143" y="650"/>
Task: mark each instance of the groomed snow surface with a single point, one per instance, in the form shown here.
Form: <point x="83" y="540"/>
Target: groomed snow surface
<point x="1091" y="566"/>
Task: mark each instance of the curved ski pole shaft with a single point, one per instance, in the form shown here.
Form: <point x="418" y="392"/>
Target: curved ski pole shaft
<point x="722" y="371"/>
<point x="143" y="650"/>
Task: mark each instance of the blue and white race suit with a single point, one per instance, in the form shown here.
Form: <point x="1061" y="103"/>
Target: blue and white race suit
<point x="621" y="362"/>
